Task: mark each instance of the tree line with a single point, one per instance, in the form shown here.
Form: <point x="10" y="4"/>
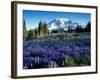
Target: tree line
<point x="42" y="30"/>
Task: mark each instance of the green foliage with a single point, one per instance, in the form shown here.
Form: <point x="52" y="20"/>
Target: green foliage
<point x="88" y="27"/>
<point x="79" y="28"/>
<point x="69" y="29"/>
<point x="85" y="58"/>
<point x="70" y="62"/>
<point x="24" y="30"/>
<point x="42" y="29"/>
<point x="45" y="30"/>
<point x="32" y="34"/>
<point x="39" y="28"/>
<point x="35" y="33"/>
<point x="54" y="31"/>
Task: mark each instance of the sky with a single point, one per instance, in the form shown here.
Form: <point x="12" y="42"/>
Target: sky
<point x="32" y="18"/>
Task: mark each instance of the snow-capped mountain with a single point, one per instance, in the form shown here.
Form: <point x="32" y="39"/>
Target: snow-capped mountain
<point x="61" y="23"/>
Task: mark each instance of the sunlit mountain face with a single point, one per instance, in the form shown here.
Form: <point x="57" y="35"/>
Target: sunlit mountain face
<point x="61" y="23"/>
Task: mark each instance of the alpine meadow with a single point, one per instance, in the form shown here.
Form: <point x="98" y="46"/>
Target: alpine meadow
<point x="56" y="39"/>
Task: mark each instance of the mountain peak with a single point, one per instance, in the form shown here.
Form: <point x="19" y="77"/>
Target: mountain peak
<point x="62" y="19"/>
<point x="59" y="23"/>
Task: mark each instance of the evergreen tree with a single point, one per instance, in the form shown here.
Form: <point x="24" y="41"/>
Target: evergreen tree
<point x="54" y="31"/>
<point x="32" y="34"/>
<point x="39" y="28"/>
<point x="88" y="27"/>
<point x="42" y="29"/>
<point x="70" y="26"/>
<point x="79" y="28"/>
<point x="45" y="29"/>
<point x="24" y="30"/>
<point x="69" y="30"/>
